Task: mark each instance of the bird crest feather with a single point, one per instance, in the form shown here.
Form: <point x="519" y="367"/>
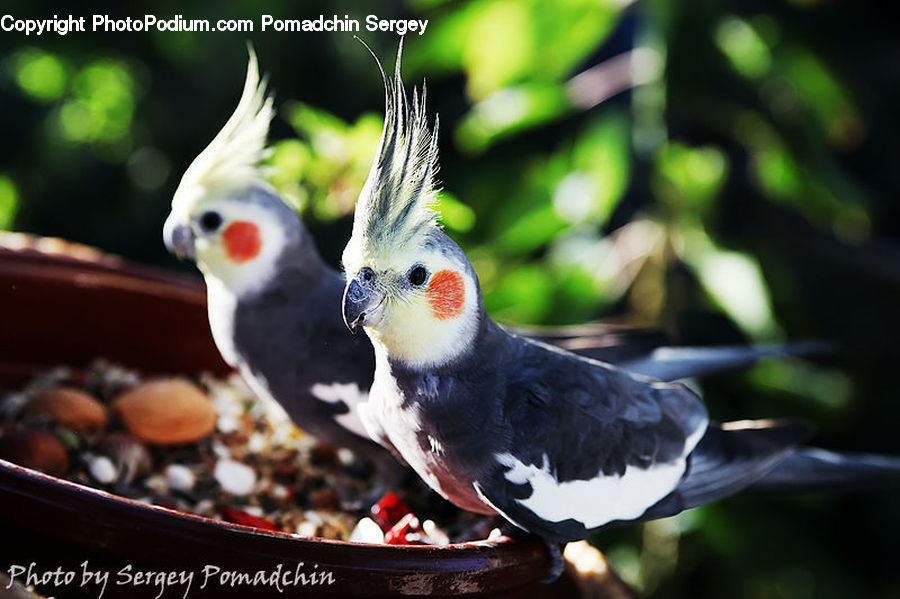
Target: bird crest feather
<point x="233" y="157"/>
<point x="395" y="206"/>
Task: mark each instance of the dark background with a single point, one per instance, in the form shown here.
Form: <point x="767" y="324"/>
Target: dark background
<point x="745" y="190"/>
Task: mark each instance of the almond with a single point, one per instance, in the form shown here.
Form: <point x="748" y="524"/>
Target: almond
<point x="166" y="412"/>
<point x="68" y="407"/>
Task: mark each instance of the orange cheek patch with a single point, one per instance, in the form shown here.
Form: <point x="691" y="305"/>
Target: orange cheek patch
<point x="446" y="294"/>
<point x="242" y="241"/>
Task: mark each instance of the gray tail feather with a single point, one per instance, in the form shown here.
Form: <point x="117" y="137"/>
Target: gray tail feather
<point x="763" y="456"/>
<point x="673" y="363"/>
<point x="600" y="341"/>
<point x="808" y="469"/>
<point x="730" y="457"/>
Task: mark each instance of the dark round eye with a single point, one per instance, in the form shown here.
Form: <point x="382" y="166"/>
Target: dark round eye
<point x="210" y="221"/>
<point x="367" y="274"/>
<point x="418" y="275"/>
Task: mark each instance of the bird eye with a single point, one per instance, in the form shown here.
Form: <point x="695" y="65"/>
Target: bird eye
<point x="367" y="274"/>
<point x="417" y="275"/>
<point x="210" y="221"/>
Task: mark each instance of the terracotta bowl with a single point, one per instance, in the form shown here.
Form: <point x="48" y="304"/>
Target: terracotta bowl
<point x="65" y="304"/>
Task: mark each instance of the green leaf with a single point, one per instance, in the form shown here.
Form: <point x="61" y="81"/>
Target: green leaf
<point x="531" y="231"/>
<point x="523" y="294"/>
<point x="509" y="111"/>
<point x="777" y="172"/>
<point x="100" y="109"/>
<point x="745" y="48"/>
<point x="455" y="215"/>
<point x="735" y="282"/>
<point x="829" y="389"/>
<point x="309" y="120"/>
<point x="598" y="173"/>
<point x="577" y="297"/>
<point x="501" y="43"/>
<point x="290" y="158"/>
<point x="500" y="46"/>
<point x="40" y="75"/>
<point x="689" y="179"/>
<point x="824" y="94"/>
<point x="9" y="202"/>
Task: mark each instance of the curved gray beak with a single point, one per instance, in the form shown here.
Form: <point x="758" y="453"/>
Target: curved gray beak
<point x="179" y="239"/>
<point x="361" y="300"/>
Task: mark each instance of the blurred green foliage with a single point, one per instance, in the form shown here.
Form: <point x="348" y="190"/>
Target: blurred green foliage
<point x="9" y="202"/>
<point x="93" y="103"/>
<point x="324" y="169"/>
<point x="724" y="170"/>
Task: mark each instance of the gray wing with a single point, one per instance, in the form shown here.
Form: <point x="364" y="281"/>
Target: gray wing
<point x="646" y="351"/>
<point x="589" y="445"/>
<point x="295" y="346"/>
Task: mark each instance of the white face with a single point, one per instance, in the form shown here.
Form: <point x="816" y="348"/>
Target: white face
<point x="235" y="242"/>
<point x="423" y="305"/>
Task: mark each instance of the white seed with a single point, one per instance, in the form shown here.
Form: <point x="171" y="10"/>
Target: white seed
<point x="220" y="449"/>
<point x="157" y="483"/>
<point x="345" y="456"/>
<point x="256" y="443"/>
<point x="433" y="534"/>
<point x="228" y="406"/>
<point x="228" y="423"/>
<point x="307" y="529"/>
<point x="314" y="517"/>
<point x="235" y="478"/>
<point x="367" y="531"/>
<point x="103" y="470"/>
<point x="180" y="477"/>
<point x="279" y="492"/>
<point x="205" y="507"/>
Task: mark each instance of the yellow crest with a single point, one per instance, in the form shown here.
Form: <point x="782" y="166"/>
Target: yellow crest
<point x="395" y="205"/>
<point x="233" y="157"/>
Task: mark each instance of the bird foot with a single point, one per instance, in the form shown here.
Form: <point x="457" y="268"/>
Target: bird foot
<point x="558" y="562"/>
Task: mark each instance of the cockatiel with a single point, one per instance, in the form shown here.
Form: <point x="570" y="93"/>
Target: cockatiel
<point x="271" y="298"/>
<point x="274" y="304"/>
<point x="558" y="444"/>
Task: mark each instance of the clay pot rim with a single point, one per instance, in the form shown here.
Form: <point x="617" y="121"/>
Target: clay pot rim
<point x="73" y="489"/>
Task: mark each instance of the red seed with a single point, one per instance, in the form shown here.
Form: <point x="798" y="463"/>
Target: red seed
<point x="389" y="510"/>
<point x="241" y="517"/>
<point x="398" y="534"/>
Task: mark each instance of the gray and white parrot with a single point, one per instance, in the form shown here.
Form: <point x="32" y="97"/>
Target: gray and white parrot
<point x="271" y="298"/>
<point x="274" y="305"/>
<point x="559" y="445"/>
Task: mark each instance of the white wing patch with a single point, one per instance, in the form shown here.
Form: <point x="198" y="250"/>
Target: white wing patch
<point x="600" y="500"/>
<point x="350" y="394"/>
